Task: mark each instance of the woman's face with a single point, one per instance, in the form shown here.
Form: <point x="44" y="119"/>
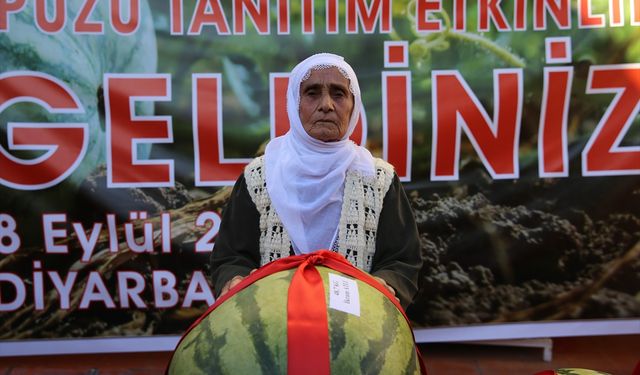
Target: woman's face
<point x="326" y="104"/>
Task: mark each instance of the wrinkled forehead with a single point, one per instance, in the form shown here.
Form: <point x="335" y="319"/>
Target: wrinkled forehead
<point x="305" y="75"/>
<point x="325" y="66"/>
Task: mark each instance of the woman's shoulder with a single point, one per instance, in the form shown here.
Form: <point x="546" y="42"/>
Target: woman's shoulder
<point x="255" y="169"/>
<point x="382" y="165"/>
<point x="254" y="173"/>
<point x="257" y="162"/>
<point x="384" y="176"/>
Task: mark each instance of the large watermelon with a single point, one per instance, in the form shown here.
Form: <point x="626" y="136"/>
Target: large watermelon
<point x="247" y="334"/>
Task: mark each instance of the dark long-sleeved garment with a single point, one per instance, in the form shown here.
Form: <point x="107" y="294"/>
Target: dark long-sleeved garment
<point x="397" y="257"/>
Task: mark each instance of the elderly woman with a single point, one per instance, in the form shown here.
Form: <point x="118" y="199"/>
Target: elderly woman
<point x="315" y="189"/>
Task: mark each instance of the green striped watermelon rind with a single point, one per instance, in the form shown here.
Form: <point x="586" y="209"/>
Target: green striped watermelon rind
<point x="579" y="371"/>
<point x="240" y="338"/>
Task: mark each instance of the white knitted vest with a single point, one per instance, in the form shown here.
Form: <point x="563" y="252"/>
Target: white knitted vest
<point x="361" y="207"/>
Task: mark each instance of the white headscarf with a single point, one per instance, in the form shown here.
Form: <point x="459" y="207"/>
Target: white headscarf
<point x="305" y="176"/>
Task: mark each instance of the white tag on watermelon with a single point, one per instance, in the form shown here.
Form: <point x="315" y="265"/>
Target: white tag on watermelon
<point x="343" y="294"/>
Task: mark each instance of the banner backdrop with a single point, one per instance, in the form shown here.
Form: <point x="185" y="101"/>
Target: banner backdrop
<point x="514" y="125"/>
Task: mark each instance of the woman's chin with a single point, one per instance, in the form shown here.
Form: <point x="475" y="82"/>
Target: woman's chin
<point x="325" y="135"/>
<point x="328" y="138"/>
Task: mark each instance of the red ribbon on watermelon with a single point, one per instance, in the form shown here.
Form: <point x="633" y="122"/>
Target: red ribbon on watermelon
<point x="307" y="326"/>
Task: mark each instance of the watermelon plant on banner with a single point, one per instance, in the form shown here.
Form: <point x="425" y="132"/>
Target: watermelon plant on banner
<point x="311" y="313"/>
<point x="72" y="58"/>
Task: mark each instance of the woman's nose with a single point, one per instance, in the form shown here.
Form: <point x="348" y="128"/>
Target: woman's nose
<point x="326" y="103"/>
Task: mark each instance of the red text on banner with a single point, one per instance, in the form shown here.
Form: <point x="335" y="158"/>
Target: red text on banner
<point x="125" y="130"/>
<point x="554" y="116"/>
<point x="559" y="10"/>
<point x="585" y="16"/>
<point x="211" y="167"/>
<point x="51" y="16"/>
<point x="259" y="14"/>
<point x="207" y="13"/>
<point x="6" y="8"/>
<point x="119" y="24"/>
<point x="307" y="17"/>
<point x="61" y="145"/>
<point x="604" y="154"/>
<point x="332" y="17"/>
<point x="455" y="107"/>
<point x="59" y="16"/>
<point x="283" y="17"/>
<point x="396" y="122"/>
<point x="368" y="15"/>
<point x="83" y="24"/>
<point x="424" y="23"/>
<point x="488" y="10"/>
<point x="176" y="11"/>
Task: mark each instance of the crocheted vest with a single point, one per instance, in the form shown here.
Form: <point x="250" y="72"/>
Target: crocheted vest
<point x="361" y="207"/>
